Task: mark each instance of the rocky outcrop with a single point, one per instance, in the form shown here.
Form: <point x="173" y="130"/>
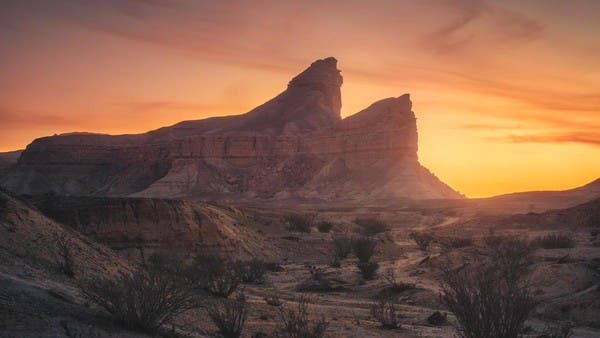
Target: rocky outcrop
<point x="295" y="146"/>
<point x="138" y="227"/>
<point x="8" y="159"/>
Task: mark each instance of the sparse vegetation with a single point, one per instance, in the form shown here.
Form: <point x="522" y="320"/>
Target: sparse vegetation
<point x="296" y="323"/>
<point x="554" y="241"/>
<point x="273" y="299"/>
<point x="364" y="248"/>
<point x="217" y="276"/>
<point x="143" y="300"/>
<point x="384" y="311"/>
<point x="324" y="226"/>
<point x="299" y="222"/>
<point x="437" y="318"/>
<point x="394" y="286"/>
<point x="342" y="246"/>
<point x="457" y="242"/>
<point x="422" y="239"/>
<point x="64" y="254"/>
<point x="367" y="269"/>
<point x="317" y="282"/>
<point x="371" y="226"/>
<point x="229" y="315"/>
<point x="492" y="241"/>
<point x="252" y="271"/>
<point x="491" y="299"/>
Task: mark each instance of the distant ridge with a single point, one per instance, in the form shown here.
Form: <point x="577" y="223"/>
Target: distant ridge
<point x="293" y="147"/>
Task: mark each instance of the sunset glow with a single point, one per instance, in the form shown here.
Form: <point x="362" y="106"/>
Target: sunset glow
<point x="506" y="93"/>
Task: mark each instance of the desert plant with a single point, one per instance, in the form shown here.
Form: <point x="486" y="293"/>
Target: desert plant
<point x="492" y="241"/>
<point x="367" y="269"/>
<point x="384" y="311"/>
<point x="324" y="226"/>
<point x="371" y="226"/>
<point x="317" y="282"/>
<point x="394" y="286"/>
<point x="437" y="318"/>
<point x="491" y="299"/>
<point x="554" y="241"/>
<point x="514" y="255"/>
<point x="422" y="239"/>
<point x="364" y="248"/>
<point x="342" y="246"/>
<point x="295" y="323"/>
<point x="217" y="276"/>
<point x="64" y="254"/>
<point x="335" y="262"/>
<point x="252" y="271"/>
<point x="273" y="299"/>
<point x="144" y="299"/>
<point x="229" y="315"/>
<point x="299" y="222"/>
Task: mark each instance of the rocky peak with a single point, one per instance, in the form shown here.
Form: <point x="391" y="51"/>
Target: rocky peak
<point x="312" y="101"/>
<point x="387" y="113"/>
<point x="320" y="73"/>
<point x="321" y="77"/>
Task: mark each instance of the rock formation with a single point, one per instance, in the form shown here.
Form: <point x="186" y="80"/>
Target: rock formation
<point x="138" y="227"/>
<point x="295" y="146"/>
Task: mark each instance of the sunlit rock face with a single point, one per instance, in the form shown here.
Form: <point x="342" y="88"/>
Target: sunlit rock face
<point x="295" y="146"/>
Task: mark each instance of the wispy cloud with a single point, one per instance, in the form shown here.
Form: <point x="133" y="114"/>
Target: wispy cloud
<point x="489" y="126"/>
<point x="590" y="138"/>
<point x="466" y="26"/>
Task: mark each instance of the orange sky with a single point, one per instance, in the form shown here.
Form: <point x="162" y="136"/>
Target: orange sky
<point x="507" y="94"/>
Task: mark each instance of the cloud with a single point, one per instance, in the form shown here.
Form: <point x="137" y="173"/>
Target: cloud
<point x="25" y="119"/>
<point x="590" y="138"/>
<point x="477" y="21"/>
<point x="489" y="127"/>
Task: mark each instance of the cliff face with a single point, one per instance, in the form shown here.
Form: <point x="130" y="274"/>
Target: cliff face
<point x="294" y="146"/>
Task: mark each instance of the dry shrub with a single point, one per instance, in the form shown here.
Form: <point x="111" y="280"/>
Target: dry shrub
<point x="229" y="315"/>
<point x="324" y="226"/>
<point x="422" y="239"/>
<point x="143" y="300"/>
<point x="554" y="241"/>
<point x="64" y="254"/>
<point x="252" y="271"/>
<point x="491" y="299"/>
<point x="296" y="323"/>
<point x="217" y="276"/>
<point x="364" y="248"/>
<point x="394" y="286"/>
<point x="371" y="226"/>
<point x="384" y="311"/>
<point x="299" y="222"/>
<point x="273" y="299"/>
<point x="317" y="282"/>
<point x="492" y="241"/>
<point x="437" y="318"/>
<point x="342" y="246"/>
<point x="367" y="269"/>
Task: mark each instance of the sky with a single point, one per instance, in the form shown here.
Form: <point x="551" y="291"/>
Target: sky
<point x="506" y="93"/>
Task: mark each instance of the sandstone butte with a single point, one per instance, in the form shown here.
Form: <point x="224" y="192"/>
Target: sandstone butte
<point x="294" y="147"/>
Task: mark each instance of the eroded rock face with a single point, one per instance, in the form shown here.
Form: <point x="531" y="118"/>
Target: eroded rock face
<point x="139" y="227"/>
<point x="294" y="146"/>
